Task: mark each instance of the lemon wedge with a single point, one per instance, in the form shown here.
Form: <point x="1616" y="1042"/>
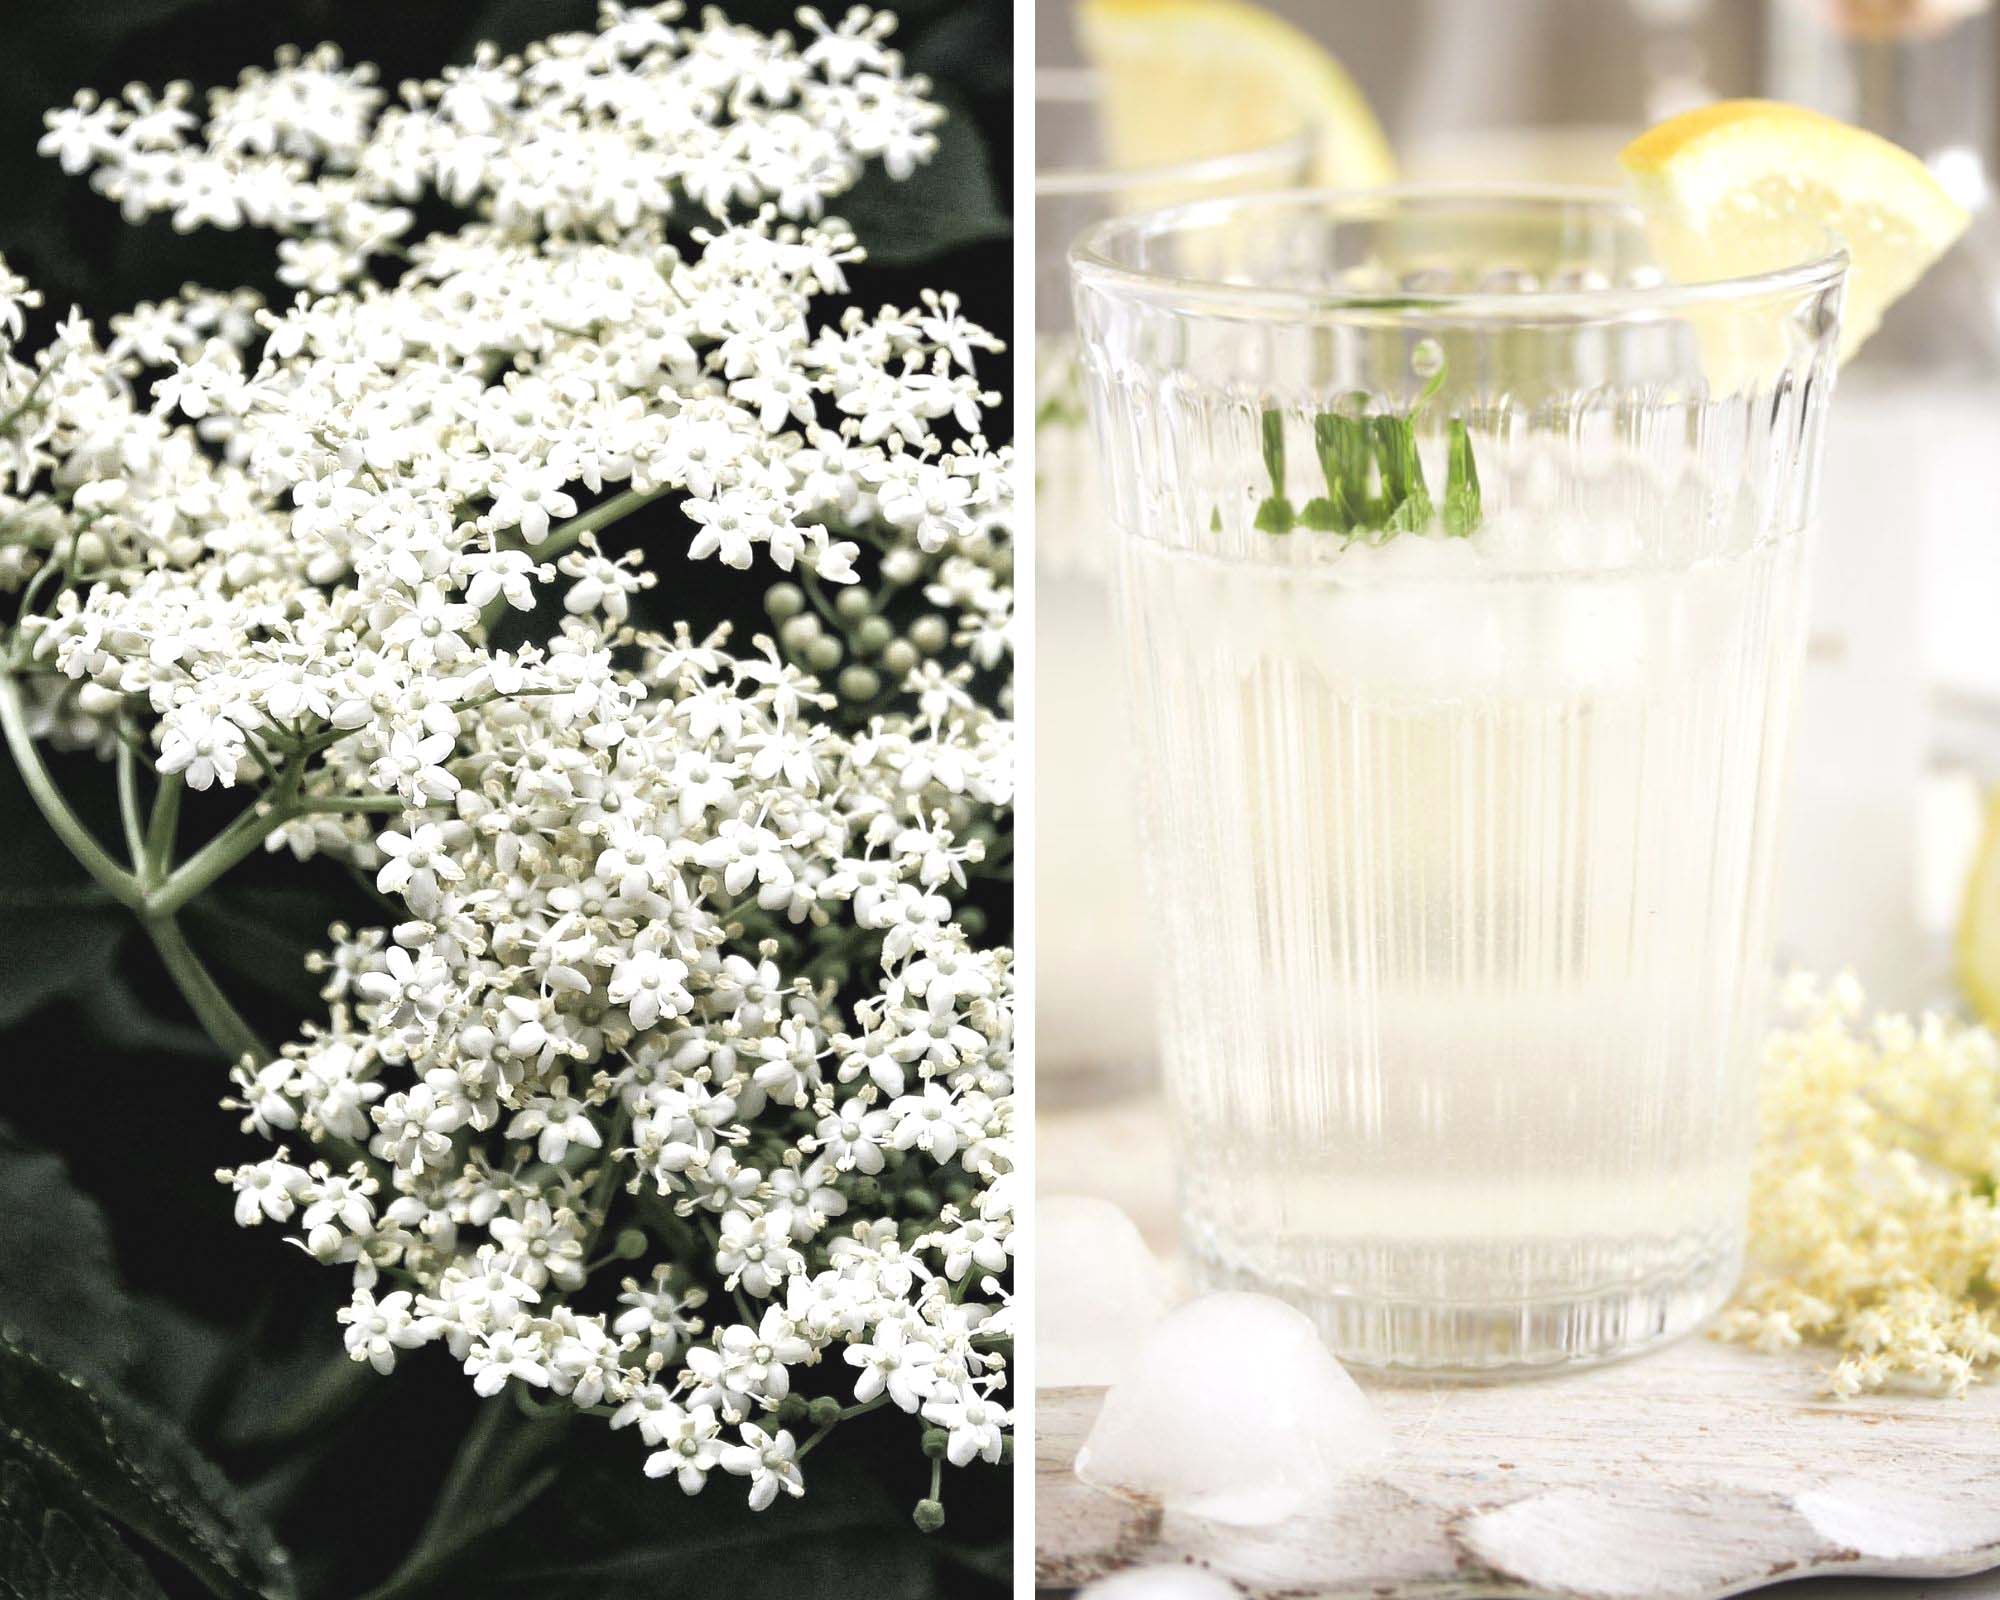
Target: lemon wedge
<point x="1979" y="923"/>
<point x="1190" y="79"/>
<point x="1746" y="186"/>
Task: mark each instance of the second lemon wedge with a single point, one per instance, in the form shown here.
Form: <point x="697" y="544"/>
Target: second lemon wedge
<point x="1979" y="924"/>
<point x="1745" y="186"/>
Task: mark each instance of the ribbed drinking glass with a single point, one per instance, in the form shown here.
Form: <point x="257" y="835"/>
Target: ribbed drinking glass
<point x="1462" y="565"/>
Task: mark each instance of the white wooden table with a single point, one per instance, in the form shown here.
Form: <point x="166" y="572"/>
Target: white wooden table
<point x="1700" y="1470"/>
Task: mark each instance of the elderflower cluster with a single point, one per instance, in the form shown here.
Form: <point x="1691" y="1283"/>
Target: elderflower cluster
<point x="1873" y="1222"/>
<point x="676" y="1066"/>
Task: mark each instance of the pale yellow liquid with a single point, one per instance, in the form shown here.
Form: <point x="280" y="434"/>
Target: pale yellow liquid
<point x="1462" y="878"/>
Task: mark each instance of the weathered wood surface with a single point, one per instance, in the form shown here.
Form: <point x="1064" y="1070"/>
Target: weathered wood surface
<point x="1700" y="1470"/>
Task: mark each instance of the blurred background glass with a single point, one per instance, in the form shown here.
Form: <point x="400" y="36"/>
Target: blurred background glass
<point x="1094" y="1004"/>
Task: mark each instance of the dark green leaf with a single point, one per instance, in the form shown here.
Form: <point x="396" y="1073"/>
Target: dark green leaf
<point x="49" y="953"/>
<point x="605" y="1531"/>
<point x="139" y="1470"/>
<point x="753" y="1569"/>
<point x="995" y="1560"/>
<point x="1275" y="515"/>
<point x="58" y="1283"/>
<point x="264" y="935"/>
<point x="514" y="24"/>
<point x="968" y="47"/>
<point x="63" y="941"/>
<point x="55" y="1546"/>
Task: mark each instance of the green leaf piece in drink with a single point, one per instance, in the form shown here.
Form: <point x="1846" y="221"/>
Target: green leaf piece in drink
<point x="1461" y="483"/>
<point x="1374" y="473"/>
<point x="1341" y="443"/>
<point x="1275" y="515"/>
<point x="1406" y="498"/>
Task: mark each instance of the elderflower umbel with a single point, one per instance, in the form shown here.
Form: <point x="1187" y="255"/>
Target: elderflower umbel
<point x="677" y="969"/>
<point x="1873" y="1223"/>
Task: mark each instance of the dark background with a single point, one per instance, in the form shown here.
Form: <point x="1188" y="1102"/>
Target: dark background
<point x="232" y="1331"/>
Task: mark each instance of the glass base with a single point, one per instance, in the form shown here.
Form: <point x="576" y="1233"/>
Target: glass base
<point x="1603" y="1315"/>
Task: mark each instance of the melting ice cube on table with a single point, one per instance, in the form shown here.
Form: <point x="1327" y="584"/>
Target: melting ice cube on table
<point x="1161" y="1583"/>
<point x="1098" y="1292"/>
<point x="1233" y="1410"/>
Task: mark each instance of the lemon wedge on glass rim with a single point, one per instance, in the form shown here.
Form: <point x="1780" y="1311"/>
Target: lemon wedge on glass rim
<point x="1185" y="80"/>
<point x="1748" y="186"/>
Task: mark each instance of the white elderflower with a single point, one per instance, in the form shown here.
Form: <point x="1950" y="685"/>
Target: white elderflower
<point x="895" y="1364"/>
<point x="746" y="1364"/>
<point x="503" y="1353"/>
<point x="377" y="1329"/>
<point x="756" y="1252"/>
<point x="266" y="1189"/>
<point x="972" y="1422"/>
<point x="690" y="1446"/>
<point x="768" y="1461"/>
<point x="682" y="971"/>
<point x="203" y="747"/>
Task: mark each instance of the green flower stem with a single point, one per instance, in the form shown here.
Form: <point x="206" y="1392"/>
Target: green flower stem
<point x="565" y="534"/>
<point x="27" y="401"/>
<point x="806" y="1449"/>
<point x="846" y="1412"/>
<point x="218" y="1018"/>
<point x="95" y="859"/>
<point x="434" y="1545"/>
<point x="236" y="842"/>
<point x="162" y="828"/>
<point x="607" y="1175"/>
<point x="150" y="890"/>
<point x="128" y="806"/>
<point x="244" y="836"/>
<point x="332" y="804"/>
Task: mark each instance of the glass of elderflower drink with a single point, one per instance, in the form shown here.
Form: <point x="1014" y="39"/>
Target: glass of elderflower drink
<point x="1461" y="569"/>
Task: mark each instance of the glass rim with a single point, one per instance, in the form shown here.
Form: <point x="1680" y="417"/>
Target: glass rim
<point x="1076" y="86"/>
<point x="1095" y="261"/>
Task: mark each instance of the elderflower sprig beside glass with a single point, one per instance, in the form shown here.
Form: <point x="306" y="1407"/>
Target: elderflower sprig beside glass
<point x="1873" y="1223"/>
<point x="677" y="1065"/>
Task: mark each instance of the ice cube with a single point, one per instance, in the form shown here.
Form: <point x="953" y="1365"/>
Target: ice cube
<point x="1161" y="1583"/>
<point x="1098" y="1291"/>
<point x="1232" y="1410"/>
